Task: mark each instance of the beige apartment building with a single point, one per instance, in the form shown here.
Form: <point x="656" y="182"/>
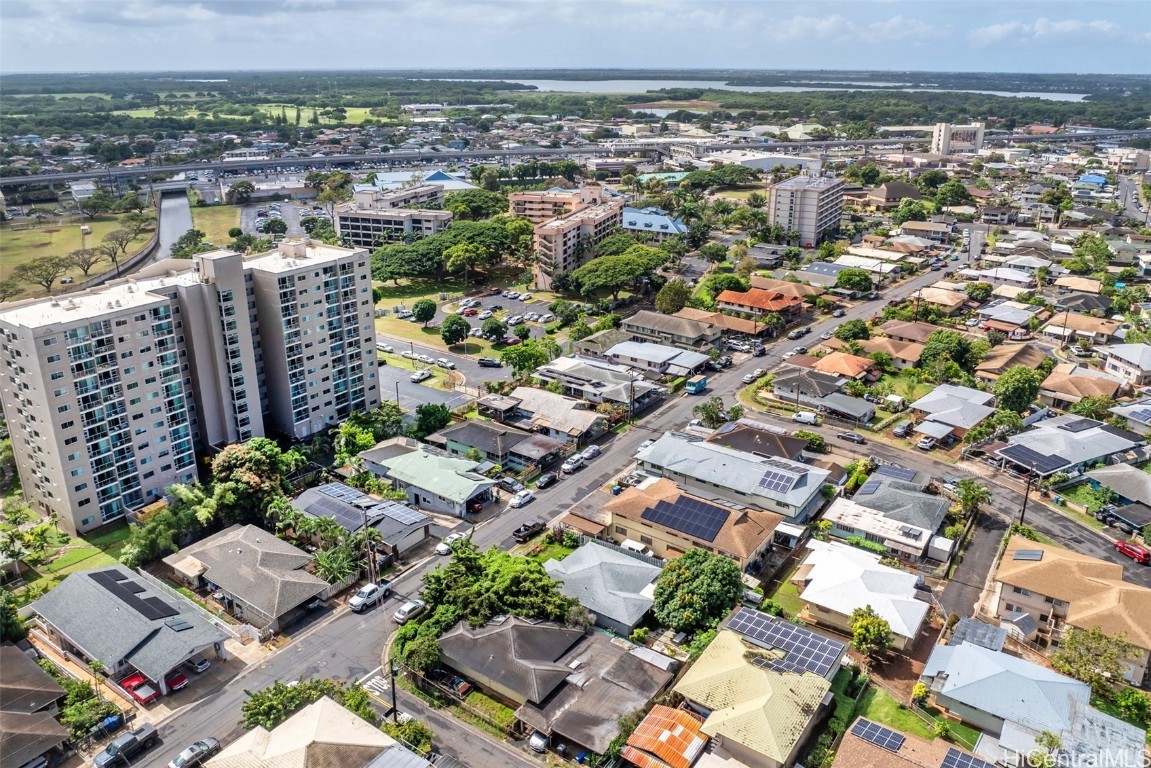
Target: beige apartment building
<point x="109" y="392"/>
<point x="565" y="243"/>
<point x="811" y="205"/>
<point x="947" y="138"/>
<point x="375" y="217"/>
<point x="541" y="206"/>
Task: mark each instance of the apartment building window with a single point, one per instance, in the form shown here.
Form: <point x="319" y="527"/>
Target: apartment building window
<point x="1021" y="591"/>
<point x="53" y="359"/>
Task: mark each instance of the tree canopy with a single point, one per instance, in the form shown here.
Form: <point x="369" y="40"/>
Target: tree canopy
<point x="870" y="633"/>
<point x="672" y="297"/>
<point x="950" y="344"/>
<point x="854" y="280"/>
<point x="853" y="330"/>
<point x="614" y="273"/>
<point x="454" y="329"/>
<point x="1093" y="657"/>
<point x="1017" y="388"/>
<point x="696" y="590"/>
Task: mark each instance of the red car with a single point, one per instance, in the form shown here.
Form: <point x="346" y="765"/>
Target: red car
<point x="176" y="681"/>
<point x="510" y="341"/>
<point x="140" y="690"/>
<point x="1133" y="551"/>
<point x="470" y="312"/>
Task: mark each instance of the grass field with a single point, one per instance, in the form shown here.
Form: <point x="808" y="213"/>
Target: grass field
<point x="21" y="243"/>
<point x="878" y="706"/>
<point x="80" y="554"/>
<point x="215" y="221"/>
<point x="786" y="596"/>
<point x="741" y="193"/>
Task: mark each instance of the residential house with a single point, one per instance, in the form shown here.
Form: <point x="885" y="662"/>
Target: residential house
<point x="1068" y="383"/>
<point x="570" y="685"/>
<point x="951" y="411"/>
<point x="617" y="586"/>
<point x="1012" y="318"/>
<point x="321" y="735"/>
<point x="598" y="381"/>
<point x="1059" y="588"/>
<point x="646" y="325"/>
<point x="996" y="214"/>
<point x="666" y="738"/>
<point x="761" y="687"/>
<point x="932" y="230"/>
<point x="728" y="323"/>
<point x="435" y="481"/>
<point x="1066" y="444"/>
<point x="895" y="514"/>
<point x="821" y="391"/>
<point x="1077" y="283"/>
<point x="891" y="194"/>
<point x="1031" y="264"/>
<point x="904" y="354"/>
<point x="756" y="437"/>
<point x="1004" y="357"/>
<point x="1131" y="484"/>
<point x="1129" y="362"/>
<point x="756" y="301"/>
<point x="846" y="365"/>
<point x="1085" y="303"/>
<point x="970" y="682"/>
<point x="1068" y="327"/>
<point x="127" y="622"/>
<point x="659" y="515"/>
<point x="554" y="415"/>
<point x="599" y="342"/>
<point x="836" y="579"/>
<point x="906" y="330"/>
<point x="1000" y="276"/>
<point x="870" y="745"/>
<point x="657" y="360"/>
<point x="786" y="287"/>
<point x="29" y="705"/>
<point x="400" y="527"/>
<point x="778" y="485"/>
<point x="511" y="448"/>
<point x="947" y="302"/>
<point x="883" y="267"/>
<point x="1137" y="415"/>
<point x="257" y="577"/>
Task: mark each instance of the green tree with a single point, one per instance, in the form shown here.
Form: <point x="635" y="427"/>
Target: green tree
<point x="422" y="654"/>
<point x="523" y="332"/>
<point x="276" y="227"/>
<point x="136" y="222"/>
<point x="100" y="202"/>
<point x="1017" y="388"/>
<point x="424" y="310"/>
<point x="870" y="633"/>
<point x="414" y="734"/>
<point x="131" y="203"/>
<point x="815" y="441"/>
<point x="490" y="180"/>
<point x="713" y="252"/>
<point x="579" y="331"/>
<point x="350" y="441"/>
<point x="614" y="273"/>
<point x="908" y="210"/>
<point x="853" y="330"/>
<point x="1093" y="407"/>
<point x="980" y="292"/>
<point x="672" y="297"/>
<point x="454" y="329"/>
<point x="430" y="417"/>
<point x="335" y="564"/>
<point x="43" y="270"/>
<point x="84" y="259"/>
<point x="12" y="627"/>
<point x="10" y="288"/>
<point x="565" y="311"/>
<point x="953" y="193"/>
<point x="464" y="257"/>
<point x="239" y="193"/>
<point x="972" y="495"/>
<point x="615" y="244"/>
<point x="951" y="345"/>
<point x="714" y="414"/>
<point x="188" y="244"/>
<point x="525" y="357"/>
<point x="475" y="204"/>
<point x="494" y="328"/>
<point x="1134" y="705"/>
<point x="1093" y="657"/>
<point x="854" y="280"/>
<point x="696" y="590"/>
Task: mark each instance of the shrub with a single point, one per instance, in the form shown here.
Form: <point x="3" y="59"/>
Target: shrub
<point x="919" y="694"/>
<point x="771" y="607"/>
<point x="639" y="636"/>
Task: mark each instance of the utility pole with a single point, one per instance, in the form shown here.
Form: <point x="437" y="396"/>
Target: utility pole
<point x="395" y="709"/>
<point x="1026" y="493"/>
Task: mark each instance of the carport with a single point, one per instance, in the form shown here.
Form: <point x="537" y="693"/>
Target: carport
<point x="1135" y="516"/>
<point x="934" y="429"/>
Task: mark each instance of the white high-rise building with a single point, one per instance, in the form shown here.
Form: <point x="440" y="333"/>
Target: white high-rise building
<point x="947" y="138"/>
<point x="108" y="393"/>
<point x="811" y="205"/>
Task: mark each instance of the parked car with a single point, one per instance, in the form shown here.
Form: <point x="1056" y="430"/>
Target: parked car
<point x="126" y="746"/>
<point x="407" y="354"/>
<point x="196" y="754"/>
<point x="538" y="742"/>
<point x="445" y="546"/>
<point x="527" y="530"/>
<point x="520" y="498"/>
<point x="509" y="484"/>
<point x="591" y="452"/>
<point x="547" y="479"/>
<point x="748" y="378"/>
<point x="1133" y="551"/>
<point x="421" y="375"/>
<point x="572" y="464"/>
<point x="409" y="610"/>
<point x="489" y="362"/>
<point x="175" y="681"/>
<point x="926" y="443"/>
<point x="138" y="687"/>
<point x="443" y="362"/>
<point x="368" y="595"/>
<point x="485" y="314"/>
<point x="826" y="335"/>
<point x="198" y="664"/>
<point x="852" y="437"/>
<point x="509" y="341"/>
<point x="903" y="429"/>
<point x="385" y="347"/>
<point x="838" y="313"/>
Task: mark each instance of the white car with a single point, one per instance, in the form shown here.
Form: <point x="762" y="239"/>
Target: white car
<point x="445" y="546"/>
<point x="385" y="347"/>
<point x="410" y="355"/>
<point x="476" y="333"/>
<point x="521" y="498"/>
<point x="826" y="335"/>
<point x="789" y="355"/>
<point x="547" y="317"/>
<point x="426" y="359"/>
<point x="525" y="297"/>
<point x="443" y="362"/>
<point x="572" y="464"/>
<point x="421" y="375"/>
<point x="515" y="320"/>
<point x="591" y="452"/>
<point x="485" y="314"/>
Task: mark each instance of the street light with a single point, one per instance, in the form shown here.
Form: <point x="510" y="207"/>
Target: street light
<point x="395" y="709"/>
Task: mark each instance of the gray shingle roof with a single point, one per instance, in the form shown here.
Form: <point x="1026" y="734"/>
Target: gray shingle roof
<point x="109" y="629"/>
<point x="606" y="582"/>
<point x="907" y="504"/>
<point x="256" y="567"/>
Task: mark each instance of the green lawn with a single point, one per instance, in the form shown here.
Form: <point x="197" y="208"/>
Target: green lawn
<point x="905" y="387"/>
<point x="93" y="551"/>
<point x="215" y="221"/>
<point x="554" y="551"/>
<point x="878" y="706"/>
<point x="741" y="193"/>
<point x="787" y="597"/>
<point x="21" y="243"/>
<point x="1080" y="494"/>
<point x="499" y="715"/>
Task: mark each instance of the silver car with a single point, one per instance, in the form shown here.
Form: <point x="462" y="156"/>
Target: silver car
<point x="409" y="610"/>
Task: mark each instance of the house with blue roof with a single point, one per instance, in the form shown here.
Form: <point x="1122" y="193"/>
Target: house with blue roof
<point x="1094" y="180"/>
<point x="655" y="223"/>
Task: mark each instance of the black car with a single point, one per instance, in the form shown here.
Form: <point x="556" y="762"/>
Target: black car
<point x="838" y="313"/>
<point x="527" y="531"/>
<point x="546" y="479"/>
<point x="852" y="437"/>
<point x="758" y="350"/>
<point x="489" y="362"/>
<point x="509" y="484"/>
<point x="713" y="365"/>
<point x="725" y="361"/>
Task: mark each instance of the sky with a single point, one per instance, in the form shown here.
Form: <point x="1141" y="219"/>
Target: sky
<point x="1084" y="36"/>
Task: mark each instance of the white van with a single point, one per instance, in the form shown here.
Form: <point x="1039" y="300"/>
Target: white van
<point x="634" y="546"/>
<point x="805" y="417"/>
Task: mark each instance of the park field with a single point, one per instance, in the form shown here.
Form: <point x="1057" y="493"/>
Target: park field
<point x="215" y="221"/>
<point x="21" y="242"/>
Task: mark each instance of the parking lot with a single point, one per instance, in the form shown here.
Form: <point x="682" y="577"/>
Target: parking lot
<point x="290" y="212"/>
<point x="395" y="380"/>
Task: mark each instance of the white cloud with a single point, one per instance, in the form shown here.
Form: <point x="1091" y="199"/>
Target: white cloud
<point x="1043" y="29"/>
<point x="901" y="29"/>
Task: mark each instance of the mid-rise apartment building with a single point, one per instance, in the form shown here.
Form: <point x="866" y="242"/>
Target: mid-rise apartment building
<point x="544" y="205"/>
<point x="566" y="242"/>
<point x="811" y="205"/>
<point x="947" y="138"/>
<point x="108" y="393"/>
<point x="375" y="217"/>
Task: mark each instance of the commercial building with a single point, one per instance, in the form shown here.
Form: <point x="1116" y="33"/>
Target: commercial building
<point x="947" y="138"/>
<point x="377" y="216"/>
<point x="810" y="205"/>
<point x="566" y="242"/>
<point x="109" y="392"/>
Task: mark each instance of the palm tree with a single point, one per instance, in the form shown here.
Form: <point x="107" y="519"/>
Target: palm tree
<point x="972" y="495"/>
<point x="335" y="564"/>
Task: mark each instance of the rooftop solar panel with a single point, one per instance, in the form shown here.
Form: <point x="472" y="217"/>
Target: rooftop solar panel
<point x="1028" y="554"/>
<point x="899" y="473"/>
<point x="956" y="759"/>
<point x="869" y="488"/>
<point x="1142" y="414"/>
<point x="151" y="608"/>
<point x="1078" y="425"/>
<point x="877" y="734"/>
<point x="1026" y="457"/>
<point x="693" y="517"/>
<point x="804" y="650"/>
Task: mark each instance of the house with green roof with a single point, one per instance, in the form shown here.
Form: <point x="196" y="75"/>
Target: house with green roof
<point x="436" y="482"/>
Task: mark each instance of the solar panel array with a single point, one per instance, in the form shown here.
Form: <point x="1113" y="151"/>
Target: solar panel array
<point x="151" y="608"/>
<point x="899" y="473"/>
<point x="1025" y="457"/>
<point x="956" y="759"/>
<point x="1078" y="425"/>
<point x="776" y="481"/>
<point x="1142" y="414"/>
<point x="349" y="507"/>
<point x="869" y="488"/>
<point x="805" y="651"/>
<point x="778" y="464"/>
<point x="693" y="517"/>
<point x="877" y="734"/>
